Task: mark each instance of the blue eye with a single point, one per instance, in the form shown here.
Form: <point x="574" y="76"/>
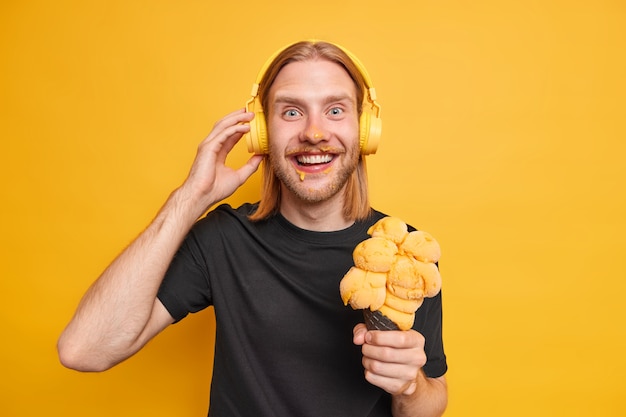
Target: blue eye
<point x="335" y="111"/>
<point x="292" y="113"/>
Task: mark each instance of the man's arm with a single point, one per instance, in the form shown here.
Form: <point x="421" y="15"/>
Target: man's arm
<point x="393" y="361"/>
<point x="120" y="313"/>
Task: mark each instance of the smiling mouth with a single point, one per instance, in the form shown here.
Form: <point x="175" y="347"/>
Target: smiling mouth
<point x="306" y="160"/>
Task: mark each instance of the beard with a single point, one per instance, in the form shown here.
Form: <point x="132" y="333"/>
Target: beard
<point x="339" y="176"/>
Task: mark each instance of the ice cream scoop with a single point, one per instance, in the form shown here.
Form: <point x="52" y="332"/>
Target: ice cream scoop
<point x="422" y="246"/>
<point x="363" y="289"/>
<point x="391" y="228"/>
<point x="375" y="254"/>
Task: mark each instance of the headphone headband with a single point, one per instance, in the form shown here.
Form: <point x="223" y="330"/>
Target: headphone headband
<point x="357" y="62"/>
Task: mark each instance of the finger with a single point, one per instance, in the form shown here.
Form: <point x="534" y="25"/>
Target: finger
<point x="392" y="385"/>
<point x="358" y="334"/>
<point x="222" y="141"/>
<point x="403" y="368"/>
<point x="249" y="168"/>
<point x="396" y="338"/>
<point x="233" y="118"/>
<point x="232" y="135"/>
<point x="236" y="118"/>
<point x="376" y="358"/>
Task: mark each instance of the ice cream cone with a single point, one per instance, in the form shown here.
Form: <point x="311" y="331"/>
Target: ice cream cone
<point x="375" y="320"/>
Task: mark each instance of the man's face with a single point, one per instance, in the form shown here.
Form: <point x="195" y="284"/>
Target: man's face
<point x="313" y="127"/>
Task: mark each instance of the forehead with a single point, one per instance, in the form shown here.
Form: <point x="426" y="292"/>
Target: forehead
<point x="312" y="79"/>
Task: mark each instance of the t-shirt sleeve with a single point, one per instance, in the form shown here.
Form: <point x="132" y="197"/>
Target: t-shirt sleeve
<point x="185" y="288"/>
<point x="428" y="321"/>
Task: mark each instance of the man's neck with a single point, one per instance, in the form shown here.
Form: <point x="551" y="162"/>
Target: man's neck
<point x="326" y="216"/>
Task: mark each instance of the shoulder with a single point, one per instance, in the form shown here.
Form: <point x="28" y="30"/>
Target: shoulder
<point x="245" y="210"/>
<point x="223" y="220"/>
<point x="226" y="212"/>
<point x="377" y="215"/>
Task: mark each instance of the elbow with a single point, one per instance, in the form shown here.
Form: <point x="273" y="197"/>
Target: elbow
<point x="79" y="358"/>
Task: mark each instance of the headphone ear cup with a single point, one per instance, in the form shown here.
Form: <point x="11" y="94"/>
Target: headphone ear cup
<point x="369" y="133"/>
<point x="256" y="139"/>
<point x="262" y="132"/>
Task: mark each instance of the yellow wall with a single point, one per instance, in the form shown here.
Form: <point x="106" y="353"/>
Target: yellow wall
<point x="503" y="136"/>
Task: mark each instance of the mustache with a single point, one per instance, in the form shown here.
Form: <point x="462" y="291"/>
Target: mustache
<point x="324" y="149"/>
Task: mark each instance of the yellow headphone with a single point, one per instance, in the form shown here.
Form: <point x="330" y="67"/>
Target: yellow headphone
<point x="370" y="124"/>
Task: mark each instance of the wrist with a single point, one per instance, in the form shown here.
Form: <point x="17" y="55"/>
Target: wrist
<point x="189" y="204"/>
<point x="180" y="211"/>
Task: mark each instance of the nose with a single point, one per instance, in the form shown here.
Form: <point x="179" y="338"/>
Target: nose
<point x="313" y="132"/>
<point x="315" y="135"/>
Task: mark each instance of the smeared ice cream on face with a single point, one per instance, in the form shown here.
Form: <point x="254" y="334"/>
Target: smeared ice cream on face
<point x="302" y="174"/>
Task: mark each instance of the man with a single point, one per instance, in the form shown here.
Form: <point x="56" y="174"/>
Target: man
<point x="285" y="344"/>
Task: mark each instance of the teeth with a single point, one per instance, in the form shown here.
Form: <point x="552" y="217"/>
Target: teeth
<point x="314" y="159"/>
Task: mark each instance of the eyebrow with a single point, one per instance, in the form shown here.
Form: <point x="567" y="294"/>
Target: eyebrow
<point x="287" y="99"/>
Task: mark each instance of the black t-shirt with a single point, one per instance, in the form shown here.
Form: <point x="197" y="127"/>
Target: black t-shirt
<point x="283" y="344"/>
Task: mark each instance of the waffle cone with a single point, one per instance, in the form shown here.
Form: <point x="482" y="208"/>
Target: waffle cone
<point x="375" y="320"/>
